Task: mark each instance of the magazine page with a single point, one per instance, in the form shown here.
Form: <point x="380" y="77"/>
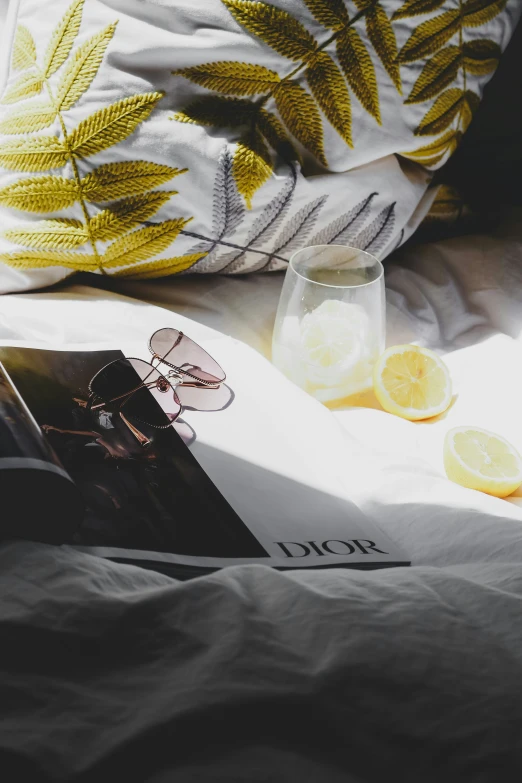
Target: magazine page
<point x="188" y="500"/>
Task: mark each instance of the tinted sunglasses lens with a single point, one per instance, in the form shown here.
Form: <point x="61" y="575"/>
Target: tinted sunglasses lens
<point x="146" y="404"/>
<point x="184" y="353"/>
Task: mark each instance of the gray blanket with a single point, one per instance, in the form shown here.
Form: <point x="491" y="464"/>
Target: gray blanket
<point x="109" y="672"/>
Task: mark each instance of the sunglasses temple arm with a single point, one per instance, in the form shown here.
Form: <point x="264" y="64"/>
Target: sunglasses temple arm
<point x="140" y="437"/>
<point x="93" y="407"/>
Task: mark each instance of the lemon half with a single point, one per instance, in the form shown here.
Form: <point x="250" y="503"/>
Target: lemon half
<point x="412" y="382"/>
<point x="479" y="459"/>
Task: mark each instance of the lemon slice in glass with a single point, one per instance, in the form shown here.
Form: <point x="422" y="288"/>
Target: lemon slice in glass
<point x="332" y="340"/>
<point x="479" y="459"/>
<point x="412" y="382"/>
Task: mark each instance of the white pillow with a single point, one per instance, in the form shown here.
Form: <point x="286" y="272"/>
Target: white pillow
<point x="155" y="137"/>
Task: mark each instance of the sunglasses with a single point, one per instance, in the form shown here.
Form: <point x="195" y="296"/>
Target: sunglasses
<point x="140" y="391"/>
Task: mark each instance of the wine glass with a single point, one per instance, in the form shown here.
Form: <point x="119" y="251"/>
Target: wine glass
<point x="331" y="321"/>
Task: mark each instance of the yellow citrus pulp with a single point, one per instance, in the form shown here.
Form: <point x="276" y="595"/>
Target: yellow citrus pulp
<point x="412" y="382"/>
<point x="479" y="459"/>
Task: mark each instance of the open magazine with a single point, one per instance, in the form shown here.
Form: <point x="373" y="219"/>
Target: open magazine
<point x="173" y="503"/>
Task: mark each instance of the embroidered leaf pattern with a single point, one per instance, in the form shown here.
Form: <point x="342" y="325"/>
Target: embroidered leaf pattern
<point x="111" y="125"/>
<point x="268" y="222"/>
<point x="478" y="12"/>
<point x="481" y="56"/>
<point x="432" y="154"/>
<point x="40" y="259"/>
<point x="126" y="178"/>
<point x="359" y="71"/>
<point x="453" y="106"/>
<point x="60" y="234"/>
<point x="51" y="242"/>
<point x="40" y="194"/>
<point x="63" y="38"/>
<point x="234" y="78"/>
<point x="228" y="208"/>
<point x="36" y="153"/>
<point x="126" y="214"/>
<point x="442" y="113"/>
<point x="142" y="244"/>
<point x="299" y="226"/>
<point x="164" y="267"/>
<point x="301" y="116"/>
<point x="262" y="230"/>
<point x="381" y="34"/>
<point x="275" y="27"/>
<point x="329" y="13"/>
<point x="374" y="237"/>
<point x="32" y="118"/>
<point x="28" y="84"/>
<point x="24" y="50"/>
<point x="437" y="74"/>
<point x="416" y="8"/>
<point x="429" y="36"/>
<point x="344" y="228"/>
<point x="451" y="103"/>
<point x="252" y="164"/>
<point x="83" y="67"/>
<point x="329" y="89"/>
<point x="298" y="109"/>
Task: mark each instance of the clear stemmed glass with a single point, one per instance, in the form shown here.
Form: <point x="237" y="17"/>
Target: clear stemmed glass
<point x="331" y="321"/>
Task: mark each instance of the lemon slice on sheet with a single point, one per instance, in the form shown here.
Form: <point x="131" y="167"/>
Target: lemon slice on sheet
<point x="479" y="459"/>
<point x="412" y="382"/>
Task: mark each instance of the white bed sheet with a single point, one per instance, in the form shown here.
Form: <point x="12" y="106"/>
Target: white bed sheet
<point x="462" y="297"/>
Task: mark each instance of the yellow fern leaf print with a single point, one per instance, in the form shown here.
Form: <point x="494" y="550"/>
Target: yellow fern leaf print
<point x="24" y="49"/>
<point x="162" y="268"/>
<point x="41" y="194"/>
<point x="127" y="213"/>
<point x="63" y="38"/>
<point x="125" y="178"/>
<point x="445" y="40"/>
<point x="252" y="165"/>
<point x="36" y="153"/>
<point x="329" y="13"/>
<point x="433" y="153"/>
<point x="27" y="85"/>
<point x="329" y="89"/>
<point x="382" y="36"/>
<point x="481" y="57"/>
<point x="300" y="115"/>
<point x="275" y="27"/>
<point x="142" y="244"/>
<point x="299" y="110"/>
<point x="232" y="78"/>
<point x="428" y="37"/>
<point x="82" y="68"/>
<point x="42" y="259"/>
<point x="359" y="71"/>
<point x="126" y="188"/>
<point x="60" y="234"/>
<point x="478" y="12"/>
<point x="437" y="74"/>
<point x="28" y="119"/>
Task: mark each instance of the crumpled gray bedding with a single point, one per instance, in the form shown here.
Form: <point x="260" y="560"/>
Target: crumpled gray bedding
<point x="110" y="672"/>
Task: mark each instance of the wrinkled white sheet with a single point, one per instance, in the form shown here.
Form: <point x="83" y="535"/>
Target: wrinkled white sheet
<point x="107" y="669"/>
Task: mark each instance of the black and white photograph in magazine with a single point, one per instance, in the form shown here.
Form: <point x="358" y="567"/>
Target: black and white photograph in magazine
<point x="148" y="496"/>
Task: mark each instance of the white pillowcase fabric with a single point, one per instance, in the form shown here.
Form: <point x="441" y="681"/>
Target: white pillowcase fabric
<point x="235" y="201"/>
